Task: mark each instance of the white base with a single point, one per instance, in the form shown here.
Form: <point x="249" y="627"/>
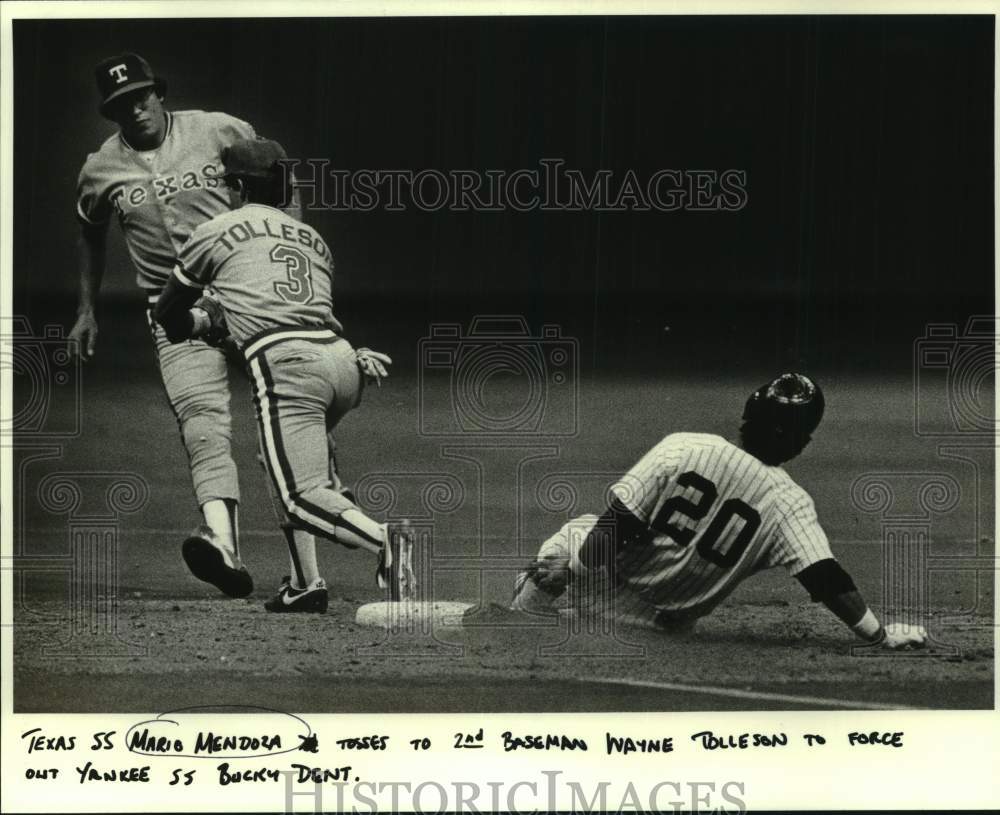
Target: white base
<point x="407" y="613"/>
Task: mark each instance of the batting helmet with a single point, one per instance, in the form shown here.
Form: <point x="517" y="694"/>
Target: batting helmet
<point x="792" y="402"/>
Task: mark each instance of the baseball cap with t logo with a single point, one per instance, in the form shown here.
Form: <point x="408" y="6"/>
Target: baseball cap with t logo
<point x="123" y="74"/>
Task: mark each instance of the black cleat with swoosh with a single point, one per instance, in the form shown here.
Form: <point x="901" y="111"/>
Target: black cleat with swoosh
<point x="311" y="600"/>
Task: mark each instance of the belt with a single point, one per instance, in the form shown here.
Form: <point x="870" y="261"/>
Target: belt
<point x="272" y="336"/>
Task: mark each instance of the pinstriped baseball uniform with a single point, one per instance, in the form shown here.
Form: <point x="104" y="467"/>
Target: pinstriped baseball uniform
<point x="159" y="196"/>
<point x="273" y="277"/>
<point x="718" y="515"/>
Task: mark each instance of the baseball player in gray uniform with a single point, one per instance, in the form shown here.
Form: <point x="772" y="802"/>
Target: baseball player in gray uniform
<point x="696" y="516"/>
<point x="272" y="279"/>
<point x="160" y="176"/>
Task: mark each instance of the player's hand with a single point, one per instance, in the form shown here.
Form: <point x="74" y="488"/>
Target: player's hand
<point x="84" y="334"/>
<point x="550" y="574"/>
<point x="372" y="364"/>
<point x="904" y="637"/>
<point x="217" y="332"/>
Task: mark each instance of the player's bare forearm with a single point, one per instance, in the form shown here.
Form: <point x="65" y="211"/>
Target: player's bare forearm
<point x="827" y="582"/>
<point x="91" y="258"/>
<point x="848" y="607"/>
<point x="92" y="253"/>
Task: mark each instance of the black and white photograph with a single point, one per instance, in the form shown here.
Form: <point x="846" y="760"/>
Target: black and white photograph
<point x="519" y="366"/>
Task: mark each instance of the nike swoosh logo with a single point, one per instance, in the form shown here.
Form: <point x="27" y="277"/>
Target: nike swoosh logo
<point x="288" y="598"/>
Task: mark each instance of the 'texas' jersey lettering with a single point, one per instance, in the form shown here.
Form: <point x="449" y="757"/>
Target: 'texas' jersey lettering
<point x="125" y="198"/>
<point x="159" y="196"/>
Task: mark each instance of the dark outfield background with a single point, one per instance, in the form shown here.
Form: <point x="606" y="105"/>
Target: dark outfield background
<point x="867" y="144"/>
<point x="868" y="148"/>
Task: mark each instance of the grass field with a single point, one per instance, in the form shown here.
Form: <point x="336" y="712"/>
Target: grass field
<point x="489" y="502"/>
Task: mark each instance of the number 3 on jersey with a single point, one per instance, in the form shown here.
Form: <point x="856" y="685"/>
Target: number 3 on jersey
<point x="696" y="511"/>
<point x="298" y="288"/>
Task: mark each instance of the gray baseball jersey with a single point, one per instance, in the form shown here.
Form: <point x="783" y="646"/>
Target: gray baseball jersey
<point x="273" y="277"/>
<point x="266" y="269"/>
<point x="160" y="196"/>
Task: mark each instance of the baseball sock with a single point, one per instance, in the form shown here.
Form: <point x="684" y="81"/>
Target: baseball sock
<point x="233" y="508"/>
<point x="337" y="484"/>
<point x="302" y="556"/>
<point x="301" y="544"/>
<point x="355" y="528"/>
<point x="221" y="517"/>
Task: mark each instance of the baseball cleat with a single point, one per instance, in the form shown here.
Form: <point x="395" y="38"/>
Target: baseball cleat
<point x="313" y="599"/>
<point x="519" y="581"/>
<point x="206" y="561"/>
<point x="529" y="597"/>
<point x="395" y="563"/>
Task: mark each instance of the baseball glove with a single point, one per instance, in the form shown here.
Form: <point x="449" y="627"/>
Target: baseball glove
<point x="217" y="332"/>
<point x="372" y="364"/>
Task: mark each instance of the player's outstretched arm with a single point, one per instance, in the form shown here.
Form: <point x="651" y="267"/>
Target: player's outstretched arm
<point x="827" y="582"/>
<point x="91" y="254"/>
